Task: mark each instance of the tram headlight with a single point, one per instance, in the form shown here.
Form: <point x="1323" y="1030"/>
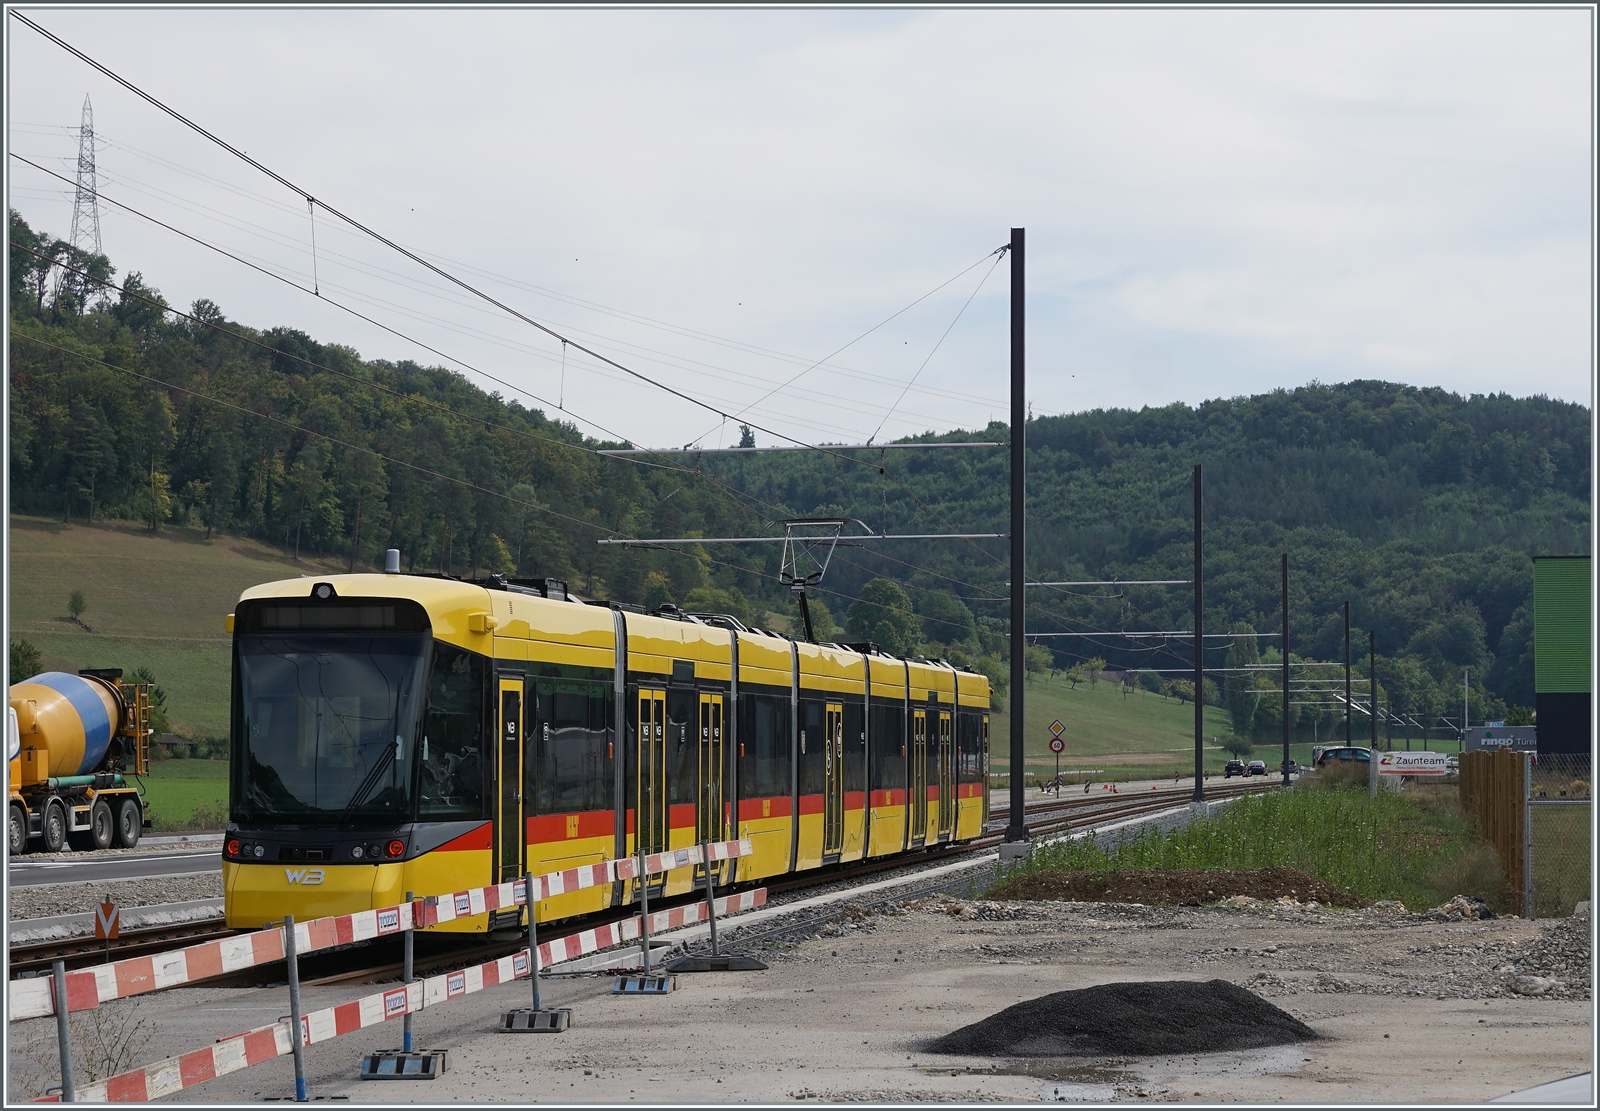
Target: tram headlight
<point x="260" y="850"/>
<point x="396" y="848"/>
<point x="358" y="852"/>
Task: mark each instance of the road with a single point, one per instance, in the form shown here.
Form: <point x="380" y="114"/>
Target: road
<point x="34" y="871"/>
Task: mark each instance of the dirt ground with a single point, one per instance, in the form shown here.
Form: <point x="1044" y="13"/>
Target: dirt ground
<point x="846" y="1014"/>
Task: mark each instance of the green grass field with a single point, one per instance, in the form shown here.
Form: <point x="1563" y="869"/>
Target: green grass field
<point x="176" y="791"/>
<point x="156" y="600"/>
<point x="1142" y="735"/>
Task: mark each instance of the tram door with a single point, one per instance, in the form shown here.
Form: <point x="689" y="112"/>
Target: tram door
<point x="709" y="819"/>
<point x="833" y="781"/>
<point x="509" y="838"/>
<point x="650" y="792"/>
<point x="947" y="777"/>
<point x="919" y="776"/>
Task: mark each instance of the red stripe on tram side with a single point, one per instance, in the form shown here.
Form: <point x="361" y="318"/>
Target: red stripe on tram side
<point x="681" y="815"/>
<point x="750" y="809"/>
<point x="933" y="792"/>
<point x="855" y="800"/>
<point x="557" y="827"/>
<point x="810" y="804"/>
<point x="480" y="838"/>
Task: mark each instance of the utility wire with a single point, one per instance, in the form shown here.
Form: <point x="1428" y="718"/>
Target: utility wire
<point x="667" y="464"/>
<point x="564" y="298"/>
<point x="791" y="381"/>
<point x="493" y="378"/>
<point x="998" y="255"/>
<point x="406" y="252"/>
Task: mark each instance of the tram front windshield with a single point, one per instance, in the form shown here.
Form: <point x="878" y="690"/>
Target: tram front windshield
<point x="327" y="726"/>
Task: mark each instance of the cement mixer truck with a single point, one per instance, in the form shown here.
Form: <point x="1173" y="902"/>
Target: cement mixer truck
<point x="74" y="741"/>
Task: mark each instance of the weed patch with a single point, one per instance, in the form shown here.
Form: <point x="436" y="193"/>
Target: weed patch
<point x="1414" y="846"/>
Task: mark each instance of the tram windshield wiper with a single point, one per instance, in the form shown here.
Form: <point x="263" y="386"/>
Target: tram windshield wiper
<point x="370" y="780"/>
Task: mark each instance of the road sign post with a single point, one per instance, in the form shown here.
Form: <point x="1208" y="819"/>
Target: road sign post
<point x="1057" y="746"/>
<point x="106" y="924"/>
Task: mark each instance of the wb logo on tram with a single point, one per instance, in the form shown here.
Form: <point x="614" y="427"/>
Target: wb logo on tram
<point x="308" y="877"/>
<point x="572" y="825"/>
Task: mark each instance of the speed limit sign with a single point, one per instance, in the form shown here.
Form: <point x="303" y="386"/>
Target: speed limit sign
<point x="1057" y="745"/>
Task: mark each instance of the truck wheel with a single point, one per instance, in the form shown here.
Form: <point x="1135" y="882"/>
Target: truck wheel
<point x="55" y="826"/>
<point x="101" y="825"/>
<point x="130" y="823"/>
<point x="18" y="831"/>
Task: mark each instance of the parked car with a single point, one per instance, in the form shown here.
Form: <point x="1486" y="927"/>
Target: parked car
<point x="1233" y="768"/>
<point x="1329" y="755"/>
<point x="1257" y="767"/>
<point x="1292" y="767"/>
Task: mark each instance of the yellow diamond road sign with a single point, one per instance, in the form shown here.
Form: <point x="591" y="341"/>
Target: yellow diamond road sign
<point x="1056" y="728"/>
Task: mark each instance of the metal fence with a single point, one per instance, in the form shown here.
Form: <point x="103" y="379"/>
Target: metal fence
<point x="1558" y="867"/>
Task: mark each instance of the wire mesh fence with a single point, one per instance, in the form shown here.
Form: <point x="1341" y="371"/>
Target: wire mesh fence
<point x="1559" y="816"/>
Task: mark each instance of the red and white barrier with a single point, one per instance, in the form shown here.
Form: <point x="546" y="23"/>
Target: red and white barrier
<point x="696" y="912"/>
<point x="587" y="941"/>
<point x="271" y="1042"/>
<point x="482" y="900"/>
<point x="35" y="997"/>
<point x="88" y="988"/>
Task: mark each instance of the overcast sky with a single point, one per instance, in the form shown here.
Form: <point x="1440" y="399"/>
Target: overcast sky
<point x="1217" y="203"/>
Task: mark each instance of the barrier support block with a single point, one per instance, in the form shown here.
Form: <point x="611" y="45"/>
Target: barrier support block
<point x="644" y="985"/>
<point x="396" y="1064"/>
<point x="526" y="1020"/>
<point x="715" y="964"/>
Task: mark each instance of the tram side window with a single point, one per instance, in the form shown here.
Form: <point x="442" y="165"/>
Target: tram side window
<point x="452" y="770"/>
<point x="683" y="746"/>
<point x="888" y="749"/>
<point x="969" y="747"/>
<point x="855" y="764"/>
<point x="763" y="746"/>
<point x="812" y="747"/>
<point x="571" y="769"/>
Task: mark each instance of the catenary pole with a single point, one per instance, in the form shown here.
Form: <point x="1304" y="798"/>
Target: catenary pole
<point x="1017" y="828"/>
<point x="1347" y="675"/>
<point x="1199" y="647"/>
<point x="1284" y="646"/>
<point x="1372" y="683"/>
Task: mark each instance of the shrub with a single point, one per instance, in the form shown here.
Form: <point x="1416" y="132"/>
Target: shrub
<point x="26" y="661"/>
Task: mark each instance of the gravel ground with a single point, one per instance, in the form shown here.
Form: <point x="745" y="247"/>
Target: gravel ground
<point x="48" y="900"/>
<point x="849" y="1007"/>
<point x="1475" y="959"/>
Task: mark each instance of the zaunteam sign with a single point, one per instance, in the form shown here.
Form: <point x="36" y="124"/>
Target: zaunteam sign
<point x="1412" y="763"/>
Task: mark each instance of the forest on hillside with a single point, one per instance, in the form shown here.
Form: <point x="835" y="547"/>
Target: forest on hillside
<point x="1420" y="507"/>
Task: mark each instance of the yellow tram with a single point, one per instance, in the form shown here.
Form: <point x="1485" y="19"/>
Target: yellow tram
<point x="395" y="733"/>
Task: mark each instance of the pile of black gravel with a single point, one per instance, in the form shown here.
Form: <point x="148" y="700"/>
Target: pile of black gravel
<point x="1130" y="1020"/>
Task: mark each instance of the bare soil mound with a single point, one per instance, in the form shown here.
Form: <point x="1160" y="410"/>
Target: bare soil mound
<point x="1130" y="1020"/>
<point x="1177" y="886"/>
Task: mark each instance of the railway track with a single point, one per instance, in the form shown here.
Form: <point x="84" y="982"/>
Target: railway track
<point x="1044" y="816"/>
